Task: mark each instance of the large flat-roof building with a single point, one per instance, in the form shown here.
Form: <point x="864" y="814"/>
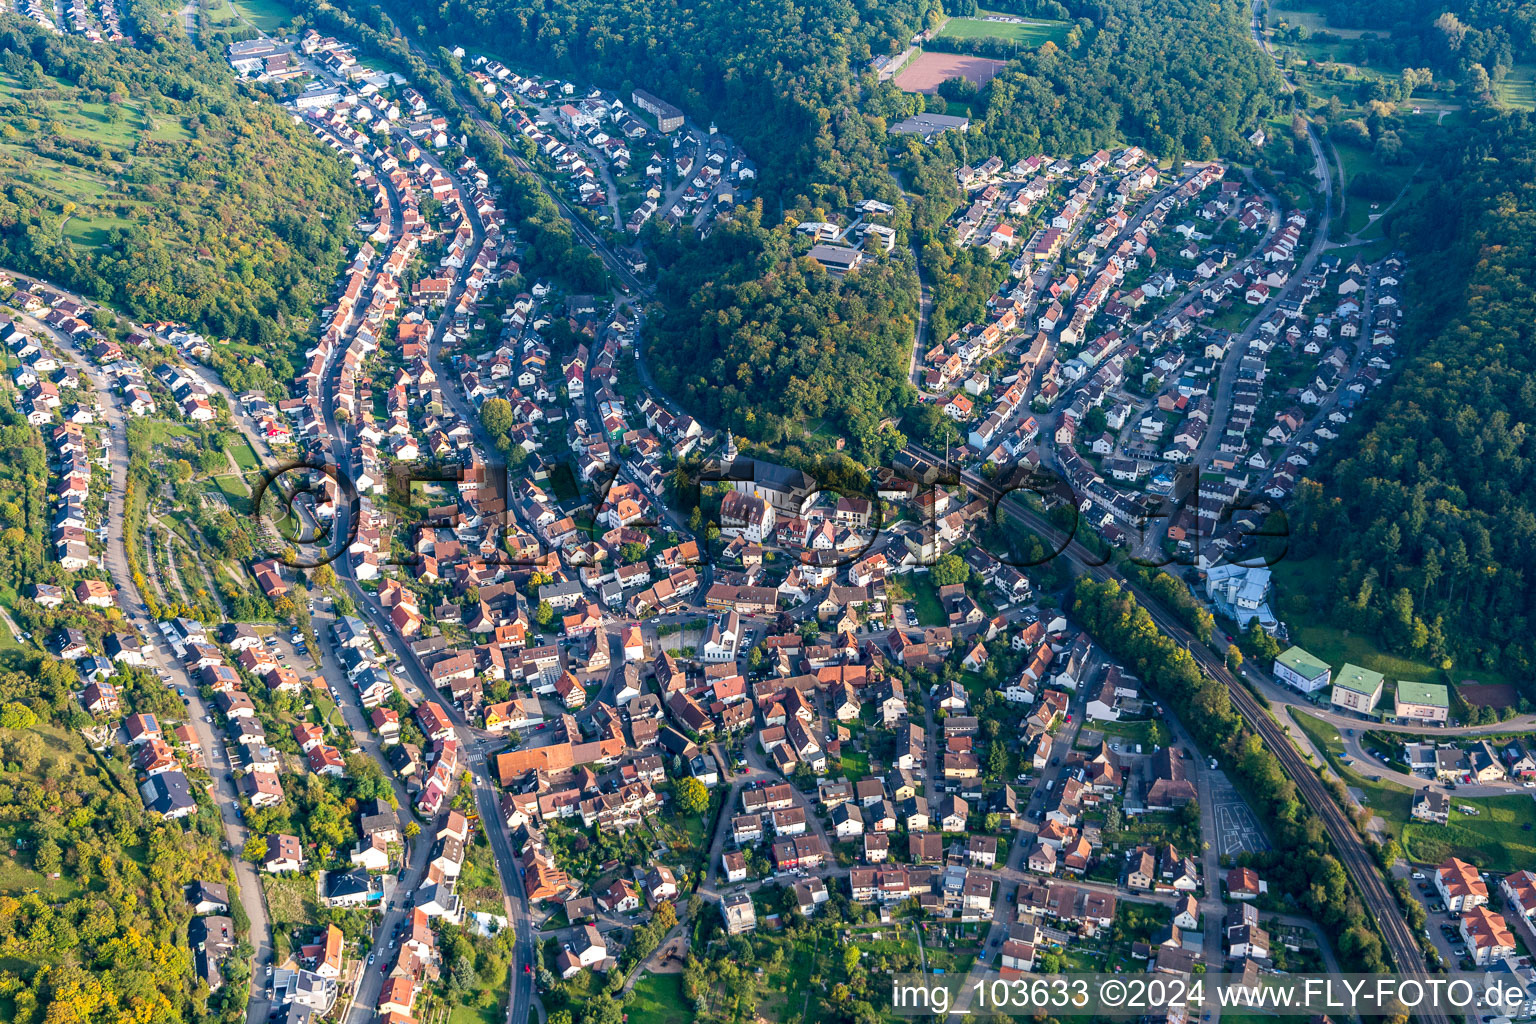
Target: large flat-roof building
<point x="1300" y="670"/>
<point x="1357" y="689"/>
<point x="668" y="118"/>
<point x="837" y="259"/>
<point x="1422" y="702"/>
<point x="930" y="126"/>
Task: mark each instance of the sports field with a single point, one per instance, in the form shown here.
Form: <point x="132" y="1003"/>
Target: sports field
<point x="1312" y="21"/>
<point x="1518" y="87"/>
<point x="924" y="72"/>
<point x="988" y="25"/>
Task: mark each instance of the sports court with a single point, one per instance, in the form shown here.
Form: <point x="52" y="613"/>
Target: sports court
<point x="924" y="72"/>
<point x="1237" y="830"/>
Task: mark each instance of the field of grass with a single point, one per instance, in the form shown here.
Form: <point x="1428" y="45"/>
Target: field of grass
<point x="235" y="492"/>
<point x="220" y="14"/>
<point x="855" y="763"/>
<point x="924" y="599"/>
<point x="1356" y="161"/>
<point x="1338" y="47"/>
<point x="1502" y="837"/>
<point x="1518" y="88"/>
<point x="1370" y="251"/>
<point x="92" y="231"/>
<point x="114" y="124"/>
<point x="1030" y="31"/>
<point x="1312" y="21"/>
<point x="63" y="753"/>
<point x="172" y="435"/>
<point x="245" y="456"/>
<point x="267" y="15"/>
<point x="657" y="999"/>
<point x="293" y="903"/>
<point x="1145" y="732"/>
<point x="327" y="710"/>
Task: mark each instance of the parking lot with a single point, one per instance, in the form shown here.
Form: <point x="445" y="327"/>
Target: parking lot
<point x="1441" y="925"/>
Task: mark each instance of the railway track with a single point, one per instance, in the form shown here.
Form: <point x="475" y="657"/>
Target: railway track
<point x="1398" y="938"/>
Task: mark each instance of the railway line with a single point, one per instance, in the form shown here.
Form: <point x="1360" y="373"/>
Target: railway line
<point x="1398" y="938"/>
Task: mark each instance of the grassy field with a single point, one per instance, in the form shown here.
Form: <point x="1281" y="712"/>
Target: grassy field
<point x="1145" y="732"/>
<point x="1312" y="21"/>
<point x="1356" y="161"/>
<point x="1518" y="88"/>
<point x="64" y="753"/>
<point x="220" y="14"/>
<point x="1324" y="44"/>
<point x="1030" y="31"/>
<point x="658" y="999"/>
<point x="855" y="763"/>
<point x="92" y="231"/>
<point x="1502" y="837"/>
<point x="1387" y="799"/>
<point x="293" y="903"/>
<point x="267" y="15"/>
<point x="1371" y="251"/>
<point x="235" y="492"/>
<point x="245" y="456"/>
<point x="1338" y="48"/>
<point x="924" y="599"/>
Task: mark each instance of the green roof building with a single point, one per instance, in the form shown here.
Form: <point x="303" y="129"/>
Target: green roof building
<point x="1357" y="689"/>
<point x="1300" y="670"/>
<point x="1422" y="702"/>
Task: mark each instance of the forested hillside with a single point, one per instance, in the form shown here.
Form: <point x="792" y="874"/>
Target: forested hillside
<point x="93" y="922"/>
<point x="1447" y="36"/>
<point x="149" y="178"/>
<point x="1180" y="78"/>
<point x="743" y="320"/>
<point x="1428" y="512"/>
